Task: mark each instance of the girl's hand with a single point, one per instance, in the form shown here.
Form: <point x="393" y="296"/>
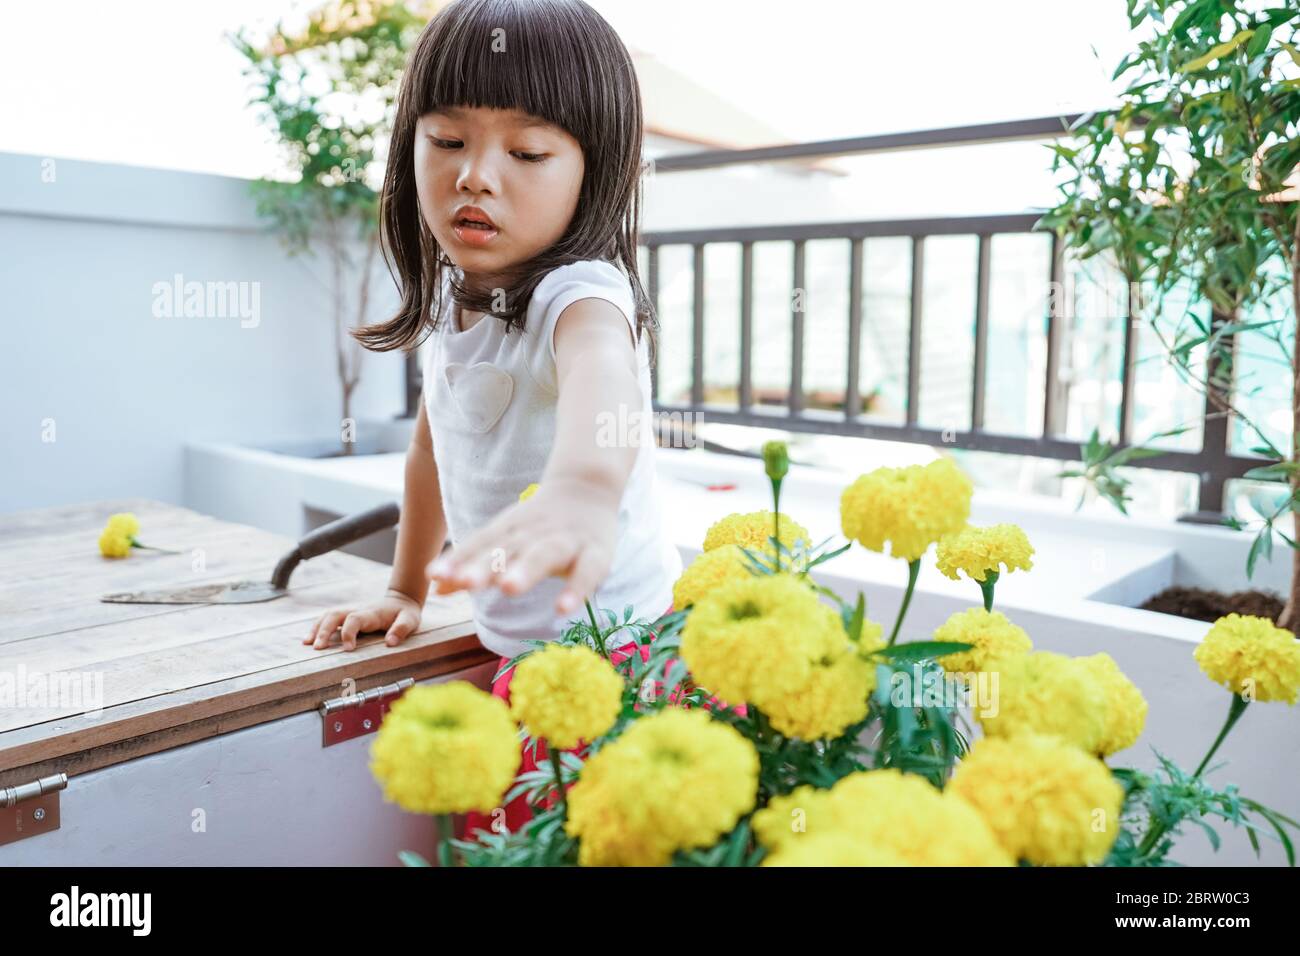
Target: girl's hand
<point x="567" y="528"/>
<point x="395" y="612"/>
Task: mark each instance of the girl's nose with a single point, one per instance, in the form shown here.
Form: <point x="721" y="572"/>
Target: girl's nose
<point x="478" y="174"/>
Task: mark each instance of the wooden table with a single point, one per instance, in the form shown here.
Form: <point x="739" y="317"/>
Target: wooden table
<point x="175" y="679"/>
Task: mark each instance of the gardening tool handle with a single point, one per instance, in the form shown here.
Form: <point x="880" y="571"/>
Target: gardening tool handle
<point x="334" y="535"/>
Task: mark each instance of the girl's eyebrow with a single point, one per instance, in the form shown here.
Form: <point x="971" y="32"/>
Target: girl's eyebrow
<point x="521" y="120"/>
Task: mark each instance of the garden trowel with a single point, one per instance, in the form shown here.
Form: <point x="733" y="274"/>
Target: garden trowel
<point x="324" y="539"/>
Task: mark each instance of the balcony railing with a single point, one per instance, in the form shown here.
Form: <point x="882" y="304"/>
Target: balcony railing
<point x="1213" y="464"/>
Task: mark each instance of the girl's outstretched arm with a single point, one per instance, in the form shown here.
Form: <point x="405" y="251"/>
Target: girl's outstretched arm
<point x="569" y="527"/>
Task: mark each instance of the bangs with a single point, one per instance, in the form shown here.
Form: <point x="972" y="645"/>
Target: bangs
<point x="494" y="54"/>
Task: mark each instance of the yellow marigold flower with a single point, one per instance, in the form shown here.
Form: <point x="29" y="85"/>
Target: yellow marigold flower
<point x="801" y="814"/>
<point x="446" y="748"/>
<point x="755" y="639"/>
<point x="528" y="492"/>
<point x="978" y="551"/>
<point x="833" y="697"/>
<point x="1048" y="802"/>
<point x="834" y="849"/>
<point x="124" y="522"/>
<point x="709" y="570"/>
<point x="1126" y="708"/>
<point x="1251" y="657"/>
<point x="566" y="694"/>
<point x="911" y="507"/>
<point x="672" y="781"/>
<point x="903" y="814"/>
<point x="1043" y="692"/>
<point x="752" y="531"/>
<point x="991" y="635"/>
<point x="115" y="539"/>
<point x="114" y="545"/>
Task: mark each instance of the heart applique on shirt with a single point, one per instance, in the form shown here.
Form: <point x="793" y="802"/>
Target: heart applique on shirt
<point x="481" y="391"/>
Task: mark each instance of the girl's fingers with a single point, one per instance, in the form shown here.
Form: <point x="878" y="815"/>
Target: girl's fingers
<point x="537" y="560"/>
<point x="590" y="568"/>
<point x="325" y="628"/>
<point x="465" y="553"/>
<point x="402" y="628"/>
<point x="356" y="622"/>
<point x="494" y="559"/>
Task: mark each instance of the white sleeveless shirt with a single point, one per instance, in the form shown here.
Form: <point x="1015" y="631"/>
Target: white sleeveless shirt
<point x="491" y="401"/>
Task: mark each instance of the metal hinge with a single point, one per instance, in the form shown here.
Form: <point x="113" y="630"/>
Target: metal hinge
<point x="343" y="718"/>
<point x="30" y="809"/>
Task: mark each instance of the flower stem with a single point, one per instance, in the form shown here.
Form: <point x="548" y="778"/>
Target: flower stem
<point x="445" y="833"/>
<point x="559" y="779"/>
<point x="776" y="519"/>
<point x="595" y="628"/>
<point x="990" y="579"/>
<point x="1235" y="710"/>
<point x="150" y="547"/>
<point x="913" y="569"/>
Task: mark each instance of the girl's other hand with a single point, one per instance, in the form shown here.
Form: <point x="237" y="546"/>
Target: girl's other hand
<point x="395" y="612"/>
<point x="567" y="528"/>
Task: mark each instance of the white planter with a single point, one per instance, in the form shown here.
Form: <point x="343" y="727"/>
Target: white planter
<point x="1089" y="571"/>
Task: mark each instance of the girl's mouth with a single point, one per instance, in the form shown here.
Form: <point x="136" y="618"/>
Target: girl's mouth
<point x="474" y="233"/>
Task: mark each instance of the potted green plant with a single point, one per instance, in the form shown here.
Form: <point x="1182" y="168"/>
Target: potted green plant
<point x="328" y="93"/>
<point x="1187" y="185"/>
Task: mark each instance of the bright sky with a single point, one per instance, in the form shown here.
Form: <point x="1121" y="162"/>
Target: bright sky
<point x="156" y="83"/>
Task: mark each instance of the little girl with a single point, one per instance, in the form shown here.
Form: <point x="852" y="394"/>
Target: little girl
<point x="509" y="215"/>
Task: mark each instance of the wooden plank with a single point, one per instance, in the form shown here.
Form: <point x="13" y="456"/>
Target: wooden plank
<point x="80" y="607"/>
<point x="174" y="673"/>
<point x="62" y="592"/>
<point x="99" y="644"/>
<point x="24" y="756"/>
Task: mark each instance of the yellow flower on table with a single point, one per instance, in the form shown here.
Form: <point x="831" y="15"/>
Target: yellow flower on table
<point x="124" y="522"/>
<point x="112" y="545"/>
<point x="901" y="814"/>
<point x="1043" y="692"/>
<point x="1048" y="802"/>
<point x="991" y="634"/>
<point x="116" y="539"/>
<point x="979" y="550"/>
<point x="672" y="781"/>
<point x="446" y="748"/>
<point x="1126" y="708"/>
<point x="1252" y="657"/>
<point x="910" y="508"/>
<point x="566" y="694"/>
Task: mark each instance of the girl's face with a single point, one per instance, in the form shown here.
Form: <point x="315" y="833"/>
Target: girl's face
<point x="523" y="173"/>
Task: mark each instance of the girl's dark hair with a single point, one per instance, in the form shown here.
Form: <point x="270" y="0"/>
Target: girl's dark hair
<point x="563" y="63"/>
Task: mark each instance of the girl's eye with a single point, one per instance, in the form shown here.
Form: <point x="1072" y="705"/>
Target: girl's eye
<point x="456" y="144"/>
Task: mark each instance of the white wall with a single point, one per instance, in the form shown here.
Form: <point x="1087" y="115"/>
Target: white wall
<point x="79" y="257"/>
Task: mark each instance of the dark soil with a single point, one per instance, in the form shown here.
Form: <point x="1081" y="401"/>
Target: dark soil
<point x="1200" y="604"/>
